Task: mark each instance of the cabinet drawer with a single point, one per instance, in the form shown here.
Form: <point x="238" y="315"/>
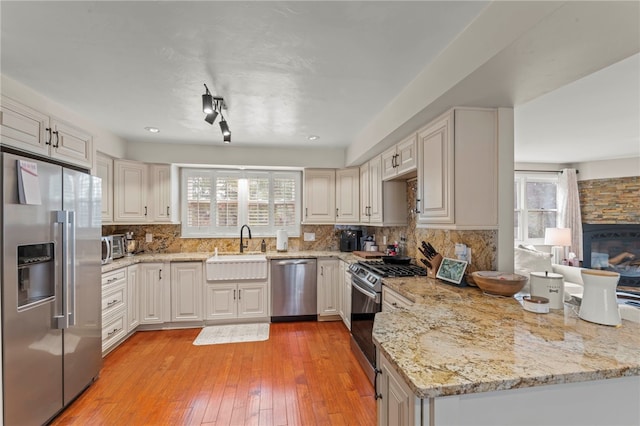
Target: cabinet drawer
<point x="392" y="300"/>
<point x="114" y="328"/>
<point x="114" y="276"/>
<point x="114" y="298"/>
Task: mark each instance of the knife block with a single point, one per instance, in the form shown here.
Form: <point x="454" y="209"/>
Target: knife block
<point x="435" y="264"/>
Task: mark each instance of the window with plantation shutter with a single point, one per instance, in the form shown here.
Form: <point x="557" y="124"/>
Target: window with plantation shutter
<point x="217" y="202"/>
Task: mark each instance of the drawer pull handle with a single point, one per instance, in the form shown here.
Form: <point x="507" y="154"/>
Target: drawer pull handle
<point x="113" y="302"/>
<point x="111" y="333"/>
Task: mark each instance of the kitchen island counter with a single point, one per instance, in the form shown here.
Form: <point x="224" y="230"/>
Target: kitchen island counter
<point x="456" y="341"/>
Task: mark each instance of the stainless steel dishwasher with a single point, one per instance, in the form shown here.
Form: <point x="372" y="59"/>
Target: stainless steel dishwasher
<point x="294" y="295"/>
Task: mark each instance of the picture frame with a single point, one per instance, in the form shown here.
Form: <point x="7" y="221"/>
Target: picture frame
<point x="452" y="270"/>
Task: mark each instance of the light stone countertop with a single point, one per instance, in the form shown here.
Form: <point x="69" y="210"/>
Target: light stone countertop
<point x="201" y="257"/>
<point x="459" y="341"/>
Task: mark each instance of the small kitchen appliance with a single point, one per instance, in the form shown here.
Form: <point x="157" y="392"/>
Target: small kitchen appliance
<point x="350" y="240"/>
<point x="119" y="247"/>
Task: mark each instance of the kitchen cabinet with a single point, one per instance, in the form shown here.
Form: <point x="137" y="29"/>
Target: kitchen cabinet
<point x="104" y="170"/>
<point x="392" y="300"/>
<point x="186" y="291"/>
<point x="401" y="160"/>
<point x="30" y="130"/>
<point x="397" y="404"/>
<point x="114" y="308"/>
<point x="319" y="196"/>
<point x="347" y="196"/>
<point x="155" y="289"/>
<point x="145" y="193"/>
<point x="230" y="301"/>
<point x="130" y="187"/>
<point x="345" y="291"/>
<point x="381" y="203"/>
<point x="328" y="284"/>
<point x="458" y="171"/>
<point x="133" y="297"/>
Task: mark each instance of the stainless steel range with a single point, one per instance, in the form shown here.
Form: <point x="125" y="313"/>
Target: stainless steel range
<point x="366" y="301"/>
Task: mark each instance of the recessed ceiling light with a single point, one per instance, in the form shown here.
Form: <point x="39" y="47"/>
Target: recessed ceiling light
<point x="313" y="137"/>
<point x="152" y="129"/>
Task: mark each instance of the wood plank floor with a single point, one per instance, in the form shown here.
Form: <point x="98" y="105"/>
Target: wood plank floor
<point x="304" y="374"/>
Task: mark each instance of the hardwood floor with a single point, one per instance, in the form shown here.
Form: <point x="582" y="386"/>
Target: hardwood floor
<point x="304" y="374"/>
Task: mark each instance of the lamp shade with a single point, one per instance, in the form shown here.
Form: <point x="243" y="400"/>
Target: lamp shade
<point x="557" y="237"/>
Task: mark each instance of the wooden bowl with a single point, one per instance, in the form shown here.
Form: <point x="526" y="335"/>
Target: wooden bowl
<point x="499" y="283"/>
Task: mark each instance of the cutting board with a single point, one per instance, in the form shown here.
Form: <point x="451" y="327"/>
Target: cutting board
<point x="368" y="254"/>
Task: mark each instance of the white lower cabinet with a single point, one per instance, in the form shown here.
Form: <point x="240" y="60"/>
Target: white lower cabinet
<point x="186" y="291"/>
<point x="228" y="301"/>
<point x="392" y="300"/>
<point x="397" y="404"/>
<point x="114" y="308"/>
<point x="133" y="297"/>
<point x="328" y="281"/>
<point x="155" y="297"/>
<point x="346" y="295"/>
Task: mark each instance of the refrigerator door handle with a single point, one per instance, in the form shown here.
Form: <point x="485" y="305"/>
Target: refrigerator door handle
<point x="62" y="321"/>
<point x="71" y="264"/>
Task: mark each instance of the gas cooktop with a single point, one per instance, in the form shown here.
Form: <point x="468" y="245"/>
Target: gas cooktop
<point x="393" y="270"/>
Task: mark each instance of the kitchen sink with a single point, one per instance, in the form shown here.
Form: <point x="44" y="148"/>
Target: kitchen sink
<point x="236" y="267"/>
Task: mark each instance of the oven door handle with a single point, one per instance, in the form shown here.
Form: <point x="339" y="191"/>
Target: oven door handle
<point x="371" y="295"/>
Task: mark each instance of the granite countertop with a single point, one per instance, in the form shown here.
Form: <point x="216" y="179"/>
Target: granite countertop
<point x="459" y="341"/>
<point x="201" y="257"/>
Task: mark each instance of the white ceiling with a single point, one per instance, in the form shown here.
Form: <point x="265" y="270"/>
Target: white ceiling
<point x="286" y="70"/>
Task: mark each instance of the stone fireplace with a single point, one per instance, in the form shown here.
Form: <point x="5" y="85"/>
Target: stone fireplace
<point x="614" y="247"/>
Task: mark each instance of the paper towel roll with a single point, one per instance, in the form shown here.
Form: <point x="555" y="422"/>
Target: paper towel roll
<point x="282" y="240"/>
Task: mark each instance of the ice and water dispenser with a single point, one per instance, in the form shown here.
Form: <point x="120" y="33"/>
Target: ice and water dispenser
<point x="36" y="274"/>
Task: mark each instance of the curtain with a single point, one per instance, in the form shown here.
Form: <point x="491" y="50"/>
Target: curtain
<point x="569" y="209"/>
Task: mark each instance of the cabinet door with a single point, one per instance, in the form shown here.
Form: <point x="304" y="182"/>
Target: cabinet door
<point x="104" y="170"/>
<point x="407" y="156"/>
<point x="365" y="189"/>
<point x="328" y="287"/>
<point x="221" y="301"/>
<point x="435" y="172"/>
<point x="346" y="297"/>
<point x="155" y="298"/>
<point x="186" y="291"/>
<point x="130" y="189"/>
<point x="71" y="144"/>
<point x="319" y="196"/>
<point x="389" y="162"/>
<point x="252" y="300"/>
<point x="133" y="297"/>
<point x="375" y="191"/>
<point x="398" y="405"/>
<point x="161" y="192"/>
<point x="23" y="127"/>
<point x="340" y="294"/>
<point x="348" y="195"/>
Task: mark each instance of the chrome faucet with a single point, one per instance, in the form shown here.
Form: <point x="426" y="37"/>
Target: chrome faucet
<point x="242" y="245"/>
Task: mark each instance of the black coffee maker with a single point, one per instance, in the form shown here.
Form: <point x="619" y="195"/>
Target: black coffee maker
<point x="350" y="240"/>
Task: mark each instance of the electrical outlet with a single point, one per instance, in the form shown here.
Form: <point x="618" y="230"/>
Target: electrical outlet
<point x="309" y="236"/>
<point x="148" y="237"/>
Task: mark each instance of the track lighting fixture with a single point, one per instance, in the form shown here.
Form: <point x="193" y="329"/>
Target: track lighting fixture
<point x="212" y="106"/>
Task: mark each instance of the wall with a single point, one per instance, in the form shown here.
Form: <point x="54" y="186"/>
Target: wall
<point x="614" y="200"/>
<point x="622" y="167"/>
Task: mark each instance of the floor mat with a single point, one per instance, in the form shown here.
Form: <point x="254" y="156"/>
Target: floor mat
<point x="232" y="333"/>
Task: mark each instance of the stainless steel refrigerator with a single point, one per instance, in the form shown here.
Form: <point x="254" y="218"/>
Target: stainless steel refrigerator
<point x="51" y="290"/>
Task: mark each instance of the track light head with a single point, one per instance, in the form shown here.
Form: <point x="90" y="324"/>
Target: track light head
<point x="224" y="128"/>
<point x="207" y="102"/>
<point x="227" y="138"/>
<point x="210" y="118"/>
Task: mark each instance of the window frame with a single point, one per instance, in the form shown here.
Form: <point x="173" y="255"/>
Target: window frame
<point x="520" y="203"/>
<point x="243" y="176"/>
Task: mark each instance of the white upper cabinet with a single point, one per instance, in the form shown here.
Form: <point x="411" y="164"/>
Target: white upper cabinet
<point x="30" y="130"/>
<point x="458" y="171"/>
<point x="381" y="203"/>
<point x="145" y="193"/>
<point x="400" y="161"/>
<point x="104" y="170"/>
<point x="348" y="195"/>
<point x="319" y="196"/>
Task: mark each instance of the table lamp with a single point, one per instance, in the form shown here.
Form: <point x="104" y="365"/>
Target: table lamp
<point x="559" y="238"/>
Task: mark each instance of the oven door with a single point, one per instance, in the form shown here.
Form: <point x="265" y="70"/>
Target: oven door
<point x="365" y="303"/>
